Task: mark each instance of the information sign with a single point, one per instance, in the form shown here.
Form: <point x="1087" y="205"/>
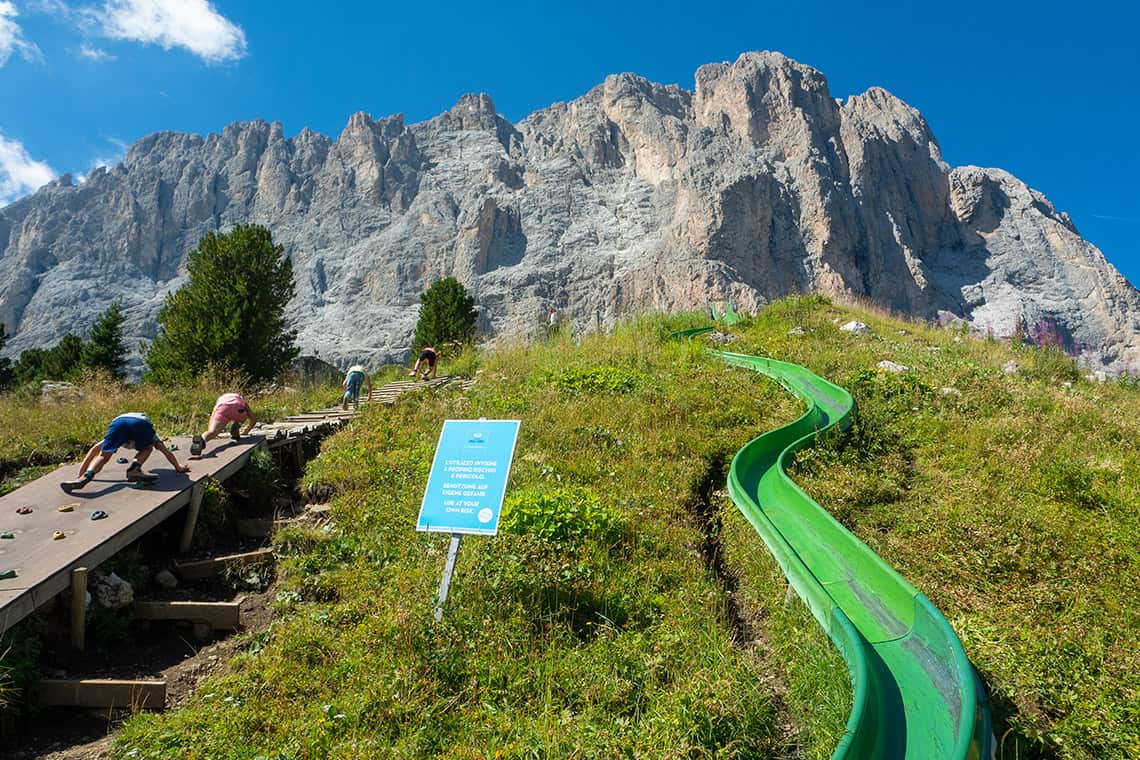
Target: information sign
<point x="468" y="477"/>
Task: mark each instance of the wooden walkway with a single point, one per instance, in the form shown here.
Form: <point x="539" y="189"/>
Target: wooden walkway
<point x="329" y="419"/>
<point x="44" y="565"/>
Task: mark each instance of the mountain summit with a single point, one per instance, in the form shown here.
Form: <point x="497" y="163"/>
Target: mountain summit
<point x="637" y="195"/>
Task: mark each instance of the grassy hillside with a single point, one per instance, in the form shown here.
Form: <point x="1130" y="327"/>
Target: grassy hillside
<point x="626" y="609"/>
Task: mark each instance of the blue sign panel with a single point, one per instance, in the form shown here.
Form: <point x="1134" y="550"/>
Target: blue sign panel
<point x="469" y="476"/>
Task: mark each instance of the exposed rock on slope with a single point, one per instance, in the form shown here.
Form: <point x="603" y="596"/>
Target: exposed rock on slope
<point x="636" y="195"/>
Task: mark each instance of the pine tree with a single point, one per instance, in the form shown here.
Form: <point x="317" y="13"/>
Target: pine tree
<point x="65" y="361"/>
<point x="105" y="348"/>
<point x="231" y="313"/>
<point x="62" y="361"/>
<point x="447" y="315"/>
<point x="6" y="376"/>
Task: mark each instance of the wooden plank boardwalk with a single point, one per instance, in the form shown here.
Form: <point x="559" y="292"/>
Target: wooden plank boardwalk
<point x="43" y="565"/>
<point x="323" y="421"/>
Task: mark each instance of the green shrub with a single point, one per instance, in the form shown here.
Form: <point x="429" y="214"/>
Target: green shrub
<point x="1049" y="364"/>
<point x="596" y="380"/>
<point x="562" y="515"/>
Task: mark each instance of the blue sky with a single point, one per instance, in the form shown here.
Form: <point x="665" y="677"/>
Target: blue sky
<point x="1045" y="90"/>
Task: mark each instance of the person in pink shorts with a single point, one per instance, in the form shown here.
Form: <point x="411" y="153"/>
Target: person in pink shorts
<point x="231" y="410"/>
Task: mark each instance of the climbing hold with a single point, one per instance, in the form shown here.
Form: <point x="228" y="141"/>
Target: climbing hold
<point x="24" y="510"/>
<point x="98" y="514"/>
<point x="6" y="574"/>
<point x="6" y="534"/>
<point x="172" y="446"/>
<point x="57" y="535"/>
<point x="122" y="460"/>
<point x="66" y="507"/>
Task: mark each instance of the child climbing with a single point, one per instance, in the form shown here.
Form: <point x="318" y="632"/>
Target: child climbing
<point x="428" y="357"/>
<point x="353" y="379"/>
<point x="133" y="430"/>
<point x="231" y="410"/>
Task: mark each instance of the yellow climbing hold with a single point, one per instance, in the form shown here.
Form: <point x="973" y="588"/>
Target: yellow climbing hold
<point x="67" y="507"/>
<point x="57" y="535"/>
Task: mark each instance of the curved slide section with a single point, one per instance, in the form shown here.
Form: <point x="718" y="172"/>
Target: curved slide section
<point x="915" y="694"/>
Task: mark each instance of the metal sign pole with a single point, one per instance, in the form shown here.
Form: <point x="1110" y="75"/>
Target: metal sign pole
<point x="448" y="569"/>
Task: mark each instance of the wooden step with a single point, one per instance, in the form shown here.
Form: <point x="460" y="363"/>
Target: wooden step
<point x="99" y="692"/>
<point x="218" y="615"/>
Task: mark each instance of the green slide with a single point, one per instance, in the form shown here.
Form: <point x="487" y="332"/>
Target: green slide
<point x="915" y="694"/>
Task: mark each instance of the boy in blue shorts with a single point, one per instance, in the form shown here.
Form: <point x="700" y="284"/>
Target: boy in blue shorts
<point x="353" y="379"/>
<point x="134" y="431"/>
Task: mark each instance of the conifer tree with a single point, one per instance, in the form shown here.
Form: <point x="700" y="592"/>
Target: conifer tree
<point x="63" y="361"/>
<point x="105" y="350"/>
<point x="6" y="376"/>
<point x="447" y="315"/>
<point x="231" y="313"/>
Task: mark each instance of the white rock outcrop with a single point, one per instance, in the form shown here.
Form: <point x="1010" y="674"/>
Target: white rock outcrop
<point x="855" y="327"/>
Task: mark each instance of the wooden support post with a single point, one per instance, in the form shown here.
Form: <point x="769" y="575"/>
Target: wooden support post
<point x="191" y="516"/>
<point x="79" y="608"/>
<point x="299" y="455"/>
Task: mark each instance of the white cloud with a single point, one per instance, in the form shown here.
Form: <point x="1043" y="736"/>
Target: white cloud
<point x="12" y="37"/>
<point x="191" y="24"/>
<point x="94" y="54"/>
<point x="20" y="174"/>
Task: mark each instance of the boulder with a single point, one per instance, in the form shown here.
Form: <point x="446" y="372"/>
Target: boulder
<point x="113" y="592"/>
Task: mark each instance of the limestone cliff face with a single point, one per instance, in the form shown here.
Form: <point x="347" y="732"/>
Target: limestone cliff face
<point x="755" y="185"/>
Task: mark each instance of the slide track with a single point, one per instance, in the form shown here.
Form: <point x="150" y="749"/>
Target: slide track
<point x="915" y="693"/>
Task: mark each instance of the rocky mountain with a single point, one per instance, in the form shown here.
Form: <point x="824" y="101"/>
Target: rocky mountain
<point x="755" y="185"/>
